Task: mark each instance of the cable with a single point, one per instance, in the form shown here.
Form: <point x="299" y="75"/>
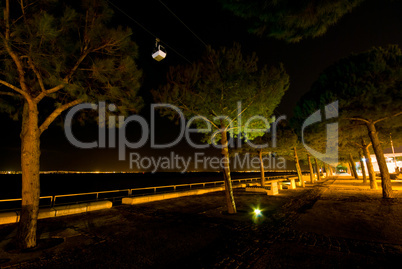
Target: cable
<point x="205" y="44"/>
<point x="149" y="32"/>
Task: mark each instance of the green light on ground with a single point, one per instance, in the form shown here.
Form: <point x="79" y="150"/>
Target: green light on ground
<point x="257" y="212"/>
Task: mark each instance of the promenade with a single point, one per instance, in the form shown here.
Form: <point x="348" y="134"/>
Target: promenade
<point x="338" y="222"/>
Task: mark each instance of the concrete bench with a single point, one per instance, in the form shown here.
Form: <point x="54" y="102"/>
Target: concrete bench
<point x="70" y="209"/>
<point x="8" y="217"/>
<point x="290" y="183"/>
<point x="244" y="185"/>
<point x="92" y="206"/>
<point x="256" y="189"/>
<point x="269" y="190"/>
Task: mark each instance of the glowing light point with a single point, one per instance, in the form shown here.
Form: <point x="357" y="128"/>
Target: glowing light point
<point x="257" y="212"/>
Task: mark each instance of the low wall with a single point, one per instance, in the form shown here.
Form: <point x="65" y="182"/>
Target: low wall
<point x="12" y="217"/>
<point x="164" y="196"/>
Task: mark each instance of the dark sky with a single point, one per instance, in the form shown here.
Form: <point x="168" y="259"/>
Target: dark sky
<point x="373" y="23"/>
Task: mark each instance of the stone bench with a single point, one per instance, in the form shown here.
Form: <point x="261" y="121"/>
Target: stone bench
<point x="8" y="217"/>
<point x="269" y="190"/>
<point x="290" y="183"/>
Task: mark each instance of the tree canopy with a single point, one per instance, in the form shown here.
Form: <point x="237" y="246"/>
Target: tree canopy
<point x="222" y="94"/>
<point x="290" y="20"/>
<point x="368" y="87"/>
<point x="65" y="54"/>
<point x="213" y="87"/>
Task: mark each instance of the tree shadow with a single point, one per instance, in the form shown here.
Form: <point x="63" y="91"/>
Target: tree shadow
<point x="42" y="244"/>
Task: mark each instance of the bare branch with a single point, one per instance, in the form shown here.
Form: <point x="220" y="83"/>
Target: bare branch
<point x="12" y="87"/>
<point x="20" y="69"/>
<point x="10" y="94"/>
<point x="7" y="19"/>
<point x="38" y="76"/>
<point x="374" y="122"/>
<point x="56" y="113"/>
<point x="358" y="119"/>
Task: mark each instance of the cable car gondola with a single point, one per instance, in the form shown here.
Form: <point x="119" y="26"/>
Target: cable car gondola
<point x="159" y="52"/>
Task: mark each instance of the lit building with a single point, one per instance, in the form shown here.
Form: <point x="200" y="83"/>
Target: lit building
<point x="390" y="157"/>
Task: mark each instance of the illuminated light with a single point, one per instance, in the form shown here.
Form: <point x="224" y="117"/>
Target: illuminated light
<point x="257" y="212"/>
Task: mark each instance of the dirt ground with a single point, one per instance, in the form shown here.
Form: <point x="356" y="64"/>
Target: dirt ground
<point x="338" y="222"/>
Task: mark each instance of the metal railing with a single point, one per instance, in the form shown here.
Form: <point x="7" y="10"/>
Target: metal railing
<point x="104" y="195"/>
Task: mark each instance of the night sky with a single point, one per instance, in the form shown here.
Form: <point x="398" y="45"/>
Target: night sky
<point x="373" y="23"/>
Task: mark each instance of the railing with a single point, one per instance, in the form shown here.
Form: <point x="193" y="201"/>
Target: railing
<point x="117" y="194"/>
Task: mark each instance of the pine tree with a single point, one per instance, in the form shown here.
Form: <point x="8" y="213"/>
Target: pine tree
<point x="229" y="96"/>
<point x="55" y="55"/>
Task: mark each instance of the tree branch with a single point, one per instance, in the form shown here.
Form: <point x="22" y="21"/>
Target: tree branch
<point x="10" y="94"/>
<point x="356" y="144"/>
<point x="66" y="79"/>
<point x="358" y="119"/>
<point x="385" y="118"/>
<point x="241" y="112"/>
<point x="7" y="19"/>
<point x="56" y="113"/>
<point x="184" y="107"/>
<point x="374" y="122"/>
<point x="85" y="51"/>
<point x="20" y="68"/>
<point x="12" y="87"/>
<point x="6" y="40"/>
<point x="38" y="76"/>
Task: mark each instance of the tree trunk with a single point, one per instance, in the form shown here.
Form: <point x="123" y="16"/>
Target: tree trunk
<point x="385" y="179"/>
<point x="372" y="178"/>
<point x="317" y="170"/>
<point x="363" y="168"/>
<point x="30" y="154"/>
<point x="350" y="171"/>
<point x="353" y="166"/>
<point x="226" y="174"/>
<point x="310" y="166"/>
<point x="299" y="174"/>
<point x="331" y="172"/>
<point x="262" y="168"/>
